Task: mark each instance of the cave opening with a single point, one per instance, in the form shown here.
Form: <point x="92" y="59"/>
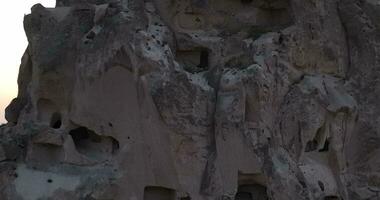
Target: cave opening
<point x="158" y="193"/>
<point x="320" y="142"/>
<point x="325" y="147"/>
<point x="311" y="145"/>
<point x="331" y="198"/>
<point x="246" y="1"/>
<point x="203" y="59"/>
<point x="195" y="60"/>
<point x="251" y="186"/>
<point x="56" y="120"/>
<point x="243" y="196"/>
<point x="251" y="192"/>
<point x="96" y="146"/>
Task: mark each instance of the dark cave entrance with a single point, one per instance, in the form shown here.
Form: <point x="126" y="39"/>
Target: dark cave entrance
<point x="331" y="198"/>
<point x="194" y="61"/>
<point x="251" y="192"/>
<point x="56" y="120"/>
<point x="92" y="145"/>
<point x="246" y="1"/>
<point x="158" y="193"/>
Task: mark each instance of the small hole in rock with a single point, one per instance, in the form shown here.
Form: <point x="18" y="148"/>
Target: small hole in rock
<point x="203" y="59"/>
<point x="110" y="124"/>
<point x="49" y="181"/>
<point x="303" y="183"/>
<point x="321" y="186"/>
<point x="331" y="198"/>
<point x="325" y="147"/>
<point x="281" y="39"/>
<point x="91" y="35"/>
<point x="311" y="146"/>
<point x="114" y="5"/>
<point x="115" y="146"/>
<point x="56" y="121"/>
<point x="246" y="1"/>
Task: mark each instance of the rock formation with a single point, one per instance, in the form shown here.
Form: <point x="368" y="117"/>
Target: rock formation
<point x="196" y="100"/>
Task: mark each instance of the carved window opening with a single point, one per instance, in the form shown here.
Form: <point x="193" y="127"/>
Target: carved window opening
<point x="246" y="1"/>
<point x="203" y="59"/>
<point x="325" y="147"/>
<point x="251" y="192"/>
<point x="331" y="198"/>
<point x="194" y="61"/>
<point x="158" y="193"/>
<point x="320" y="142"/>
<point x="251" y="187"/>
<point x="92" y="145"/>
<point x="321" y="186"/>
<point x="56" y="120"/>
<point x="311" y="145"/>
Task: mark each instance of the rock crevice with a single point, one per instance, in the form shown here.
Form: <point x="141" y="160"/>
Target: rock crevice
<point x="196" y="99"/>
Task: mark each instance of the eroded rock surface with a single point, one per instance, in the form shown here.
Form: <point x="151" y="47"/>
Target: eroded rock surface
<point x="196" y="99"/>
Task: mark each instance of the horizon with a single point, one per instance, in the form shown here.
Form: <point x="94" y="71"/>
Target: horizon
<point x="14" y="43"/>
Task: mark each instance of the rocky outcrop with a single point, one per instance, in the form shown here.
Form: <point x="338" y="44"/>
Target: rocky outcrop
<point x="196" y="99"/>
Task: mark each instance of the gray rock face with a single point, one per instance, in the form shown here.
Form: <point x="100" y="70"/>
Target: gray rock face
<point x="196" y="99"/>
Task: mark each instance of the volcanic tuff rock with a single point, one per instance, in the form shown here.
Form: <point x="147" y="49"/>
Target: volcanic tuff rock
<point x="196" y="99"/>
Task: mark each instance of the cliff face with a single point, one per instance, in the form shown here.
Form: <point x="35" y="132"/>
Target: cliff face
<point x="196" y="99"/>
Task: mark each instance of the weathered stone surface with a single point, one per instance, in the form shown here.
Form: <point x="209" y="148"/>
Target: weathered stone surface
<point x="196" y="99"/>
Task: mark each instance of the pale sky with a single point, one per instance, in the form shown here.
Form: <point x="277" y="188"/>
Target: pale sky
<point x="13" y="43"/>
